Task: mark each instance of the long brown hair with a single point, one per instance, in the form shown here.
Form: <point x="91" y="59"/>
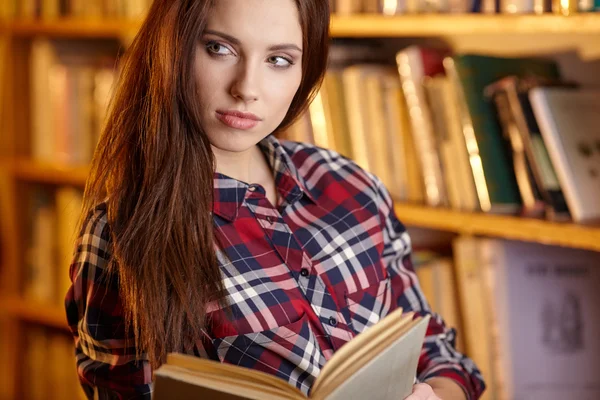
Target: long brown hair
<point x="154" y="168"/>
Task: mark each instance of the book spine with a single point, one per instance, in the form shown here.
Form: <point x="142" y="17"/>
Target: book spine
<point x="542" y="168"/>
<point x="434" y="93"/>
<point x="356" y="111"/>
<point x="533" y="204"/>
<point x="493" y="277"/>
<point x="565" y="7"/>
<point x="377" y="139"/>
<point x="517" y="6"/>
<point x="585" y="5"/>
<point x="500" y="183"/>
<point x="473" y="305"/>
<point x="411" y="71"/>
<point x="397" y="126"/>
<point x="483" y="194"/>
<point x="468" y="192"/>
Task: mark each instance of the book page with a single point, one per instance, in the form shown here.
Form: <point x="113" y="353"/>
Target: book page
<point x="390" y="375"/>
<point x="394" y="320"/>
<point x="363" y="355"/>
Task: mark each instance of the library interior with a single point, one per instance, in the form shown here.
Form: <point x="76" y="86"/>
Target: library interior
<point x="459" y="107"/>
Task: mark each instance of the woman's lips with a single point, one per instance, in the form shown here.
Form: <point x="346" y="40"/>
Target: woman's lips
<point x="238" y="119"/>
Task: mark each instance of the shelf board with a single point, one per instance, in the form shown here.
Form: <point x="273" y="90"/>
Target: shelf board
<point x="462" y="24"/>
<point x="38" y="172"/>
<point x="500" y="226"/>
<point x="71" y="27"/>
<point x="367" y="25"/>
<point x="39" y="313"/>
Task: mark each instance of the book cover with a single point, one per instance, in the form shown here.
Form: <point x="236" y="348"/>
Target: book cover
<point x="496" y="183"/>
<point x="545" y="300"/>
<point x="517" y="117"/>
<point x="569" y="120"/>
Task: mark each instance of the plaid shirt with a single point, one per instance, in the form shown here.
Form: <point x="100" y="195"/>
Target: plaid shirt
<point x="304" y="278"/>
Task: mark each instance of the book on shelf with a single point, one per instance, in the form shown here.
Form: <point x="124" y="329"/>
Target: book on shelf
<point x="50" y="10"/>
<point x="533" y="330"/>
<point x="50" y="358"/>
<point x="51" y="233"/>
<point x="489" y="152"/>
<point x="569" y="119"/>
<point x="454" y="158"/>
<point x="437" y="279"/>
<point x="70" y="88"/>
<point x="414" y="64"/>
<point x="444" y="130"/>
<point x="379" y="363"/>
<point x="538" y="183"/>
<point x="4" y="361"/>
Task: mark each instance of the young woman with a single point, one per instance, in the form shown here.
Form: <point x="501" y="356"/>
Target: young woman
<point x="207" y="235"/>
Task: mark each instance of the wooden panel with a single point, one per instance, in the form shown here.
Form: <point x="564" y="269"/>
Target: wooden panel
<point x="19" y="83"/>
<point x="12" y="360"/>
<point x="36" y="172"/>
<point x="462" y="24"/>
<point x="508" y="227"/>
<point x="54" y="317"/>
<point x="69" y="27"/>
<point x="358" y="25"/>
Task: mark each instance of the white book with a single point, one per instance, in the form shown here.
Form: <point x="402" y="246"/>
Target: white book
<point x="569" y="120"/>
<point x="545" y="303"/>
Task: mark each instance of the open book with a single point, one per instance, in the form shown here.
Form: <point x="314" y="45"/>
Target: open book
<point x="379" y="363"/>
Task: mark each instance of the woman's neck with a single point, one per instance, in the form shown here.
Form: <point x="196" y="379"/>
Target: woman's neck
<point x="249" y="166"/>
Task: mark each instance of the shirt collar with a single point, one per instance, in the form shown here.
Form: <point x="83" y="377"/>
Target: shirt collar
<point x="229" y="193"/>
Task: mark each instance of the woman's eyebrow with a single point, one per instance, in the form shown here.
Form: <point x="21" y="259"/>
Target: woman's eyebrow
<point x="285" y="46"/>
<point x="223" y="35"/>
<point x="235" y="41"/>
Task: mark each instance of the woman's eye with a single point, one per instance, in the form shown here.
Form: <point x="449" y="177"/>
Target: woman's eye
<point x="218" y="49"/>
<point x="280" y="62"/>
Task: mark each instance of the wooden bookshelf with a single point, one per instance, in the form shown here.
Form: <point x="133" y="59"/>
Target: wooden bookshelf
<point x="36" y="172"/>
<point x="51" y="316"/>
<point x="501" y="226"/>
<point x="359" y="26"/>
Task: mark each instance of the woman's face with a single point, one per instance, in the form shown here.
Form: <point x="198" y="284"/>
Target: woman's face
<point x="249" y="67"/>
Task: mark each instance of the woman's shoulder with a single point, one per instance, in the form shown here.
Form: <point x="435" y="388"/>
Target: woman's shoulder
<point x="95" y="236"/>
<point x="299" y="149"/>
<point x="319" y="165"/>
<point x="96" y="219"/>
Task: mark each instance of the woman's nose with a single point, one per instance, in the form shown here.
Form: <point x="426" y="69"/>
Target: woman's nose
<point x="246" y="84"/>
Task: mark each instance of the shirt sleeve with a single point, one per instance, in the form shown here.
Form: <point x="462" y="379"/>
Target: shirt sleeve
<point x="439" y="357"/>
<point x="105" y="354"/>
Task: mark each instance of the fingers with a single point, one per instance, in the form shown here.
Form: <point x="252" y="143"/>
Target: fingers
<point x="422" y="391"/>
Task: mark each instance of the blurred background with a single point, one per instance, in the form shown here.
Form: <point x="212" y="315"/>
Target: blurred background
<point x="480" y="116"/>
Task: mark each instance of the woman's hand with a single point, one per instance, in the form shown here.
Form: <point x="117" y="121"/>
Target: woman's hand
<point x="422" y="391"/>
<point x="437" y="389"/>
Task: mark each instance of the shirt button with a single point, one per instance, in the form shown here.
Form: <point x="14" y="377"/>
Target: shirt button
<point x="332" y="321"/>
<point x="304" y="272"/>
<point x="270" y="220"/>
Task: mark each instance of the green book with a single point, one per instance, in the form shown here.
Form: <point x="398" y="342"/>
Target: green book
<point x="474" y="73"/>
